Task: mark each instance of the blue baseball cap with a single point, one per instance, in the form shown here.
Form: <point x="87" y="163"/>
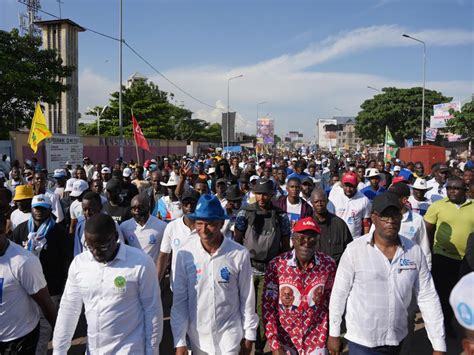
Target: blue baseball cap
<point x="208" y="208"/>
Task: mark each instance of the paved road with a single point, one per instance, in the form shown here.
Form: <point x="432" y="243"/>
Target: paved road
<point x="420" y="344"/>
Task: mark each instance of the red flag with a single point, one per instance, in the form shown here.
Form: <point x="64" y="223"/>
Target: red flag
<point x="140" y="139"/>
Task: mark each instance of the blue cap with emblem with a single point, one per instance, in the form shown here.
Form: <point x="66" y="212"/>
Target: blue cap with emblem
<point x="208" y="208"/>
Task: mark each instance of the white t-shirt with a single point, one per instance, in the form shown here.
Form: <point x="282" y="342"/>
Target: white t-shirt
<point x="18" y="217"/>
<point x="21" y="275"/>
<point x="176" y="235"/>
<point x="352" y="210"/>
<point x="75" y="210"/>
<point x="293" y="211"/>
<point x="419" y="206"/>
<point x="149" y="236"/>
<point x="438" y="192"/>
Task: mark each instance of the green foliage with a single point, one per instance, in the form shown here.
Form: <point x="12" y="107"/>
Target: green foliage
<point x="400" y="110"/>
<point x="463" y="122"/>
<point x="157" y="117"/>
<point x="27" y="74"/>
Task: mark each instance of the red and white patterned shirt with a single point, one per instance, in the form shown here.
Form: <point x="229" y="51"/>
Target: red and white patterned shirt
<point x="296" y="302"/>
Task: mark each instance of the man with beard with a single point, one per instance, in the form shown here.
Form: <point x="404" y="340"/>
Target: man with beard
<point x="438" y="184"/>
<point x="49" y="241"/>
<point x="177" y="234"/>
<point x="118" y="287"/>
<point x="335" y="235"/>
<point x="213" y="270"/>
<point x="291" y="279"/>
<point x="144" y="228"/>
<point x="375" y="281"/>
<point x="449" y="222"/>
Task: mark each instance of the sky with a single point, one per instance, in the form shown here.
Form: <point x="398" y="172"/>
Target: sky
<point x="305" y="59"/>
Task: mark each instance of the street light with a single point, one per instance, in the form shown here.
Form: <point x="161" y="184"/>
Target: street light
<point x="99" y="115"/>
<point x="424" y="77"/>
<point x="228" y="108"/>
<point x="371" y="87"/>
<point x="260" y="103"/>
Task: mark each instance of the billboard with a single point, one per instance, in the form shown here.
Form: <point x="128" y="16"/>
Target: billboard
<point x="61" y="148"/>
<point x="441" y="113"/>
<point x="327" y="136"/>
<point x="265" y="131"/>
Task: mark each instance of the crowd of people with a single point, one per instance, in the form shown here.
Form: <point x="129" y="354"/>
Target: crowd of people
<point x="287" y="253"/>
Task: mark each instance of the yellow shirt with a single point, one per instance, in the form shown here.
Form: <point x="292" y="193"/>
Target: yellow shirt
<point x="453" y="225"/>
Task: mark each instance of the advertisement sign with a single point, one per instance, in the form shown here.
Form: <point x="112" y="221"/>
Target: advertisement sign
<point x="441" y="113"/>
<point x="265" y="131"/>
<point x="63" y="148"/>
<point x="430" y="134"/>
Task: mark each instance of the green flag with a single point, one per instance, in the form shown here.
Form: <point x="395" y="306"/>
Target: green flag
<point x="390" y="146"/>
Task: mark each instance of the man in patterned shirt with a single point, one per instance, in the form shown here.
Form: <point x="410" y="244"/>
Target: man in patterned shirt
<point x="300" y="328"/>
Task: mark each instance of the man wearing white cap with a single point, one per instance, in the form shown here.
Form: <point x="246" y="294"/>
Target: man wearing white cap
<point x="61" y="177"/>
<point x="214" y="297"/>
<point x="75" y="211"/>
<point x="419" y="203"/>
<point x="48" y="240"/>
<point x="106" y="174"/>
<point x="39" y="186"/>
<point x="462" y="302"/>
<point x="168" y="207"/>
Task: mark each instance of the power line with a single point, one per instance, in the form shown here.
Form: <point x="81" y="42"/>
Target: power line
<point x="137" y="54"/>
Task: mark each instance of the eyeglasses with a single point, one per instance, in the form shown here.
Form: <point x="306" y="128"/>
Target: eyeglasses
<point x="395" y="218"/>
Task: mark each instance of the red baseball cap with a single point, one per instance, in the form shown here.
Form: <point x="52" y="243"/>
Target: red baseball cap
<point x="398" y="179"/>
<point x="349" y="178"/>
<point x="307" y="224"/>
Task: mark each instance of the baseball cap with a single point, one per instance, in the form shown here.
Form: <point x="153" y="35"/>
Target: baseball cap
<point x="127" y="172"/>
<point x="384" y="201"/>
<point x="59" y="173"/>
<point x="397" y="168"/>
<point x="349" y="178"/>
<point x="41" y="201"/>
<point x="106" y="170"/>
<point x="443" y="167"/>
<point x="307" y="179"/>
<point x="221" y="180"/>
<point x="462" y="301"/>
<point x="400" y="189"/>
<point x="233" y="193"/>
<point x="69" y="184"/>
<point x="254" y="178"/>
<point x="306" y="224"/>
<point x="78" y="187"/>
<point x="398" y="179"/>
<point x="370" y="173"/>
<point x="190" y="194"/>
<point x="263" y="186"/>
<point x="23" y="192"/>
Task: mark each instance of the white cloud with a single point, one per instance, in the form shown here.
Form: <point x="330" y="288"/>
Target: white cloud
<point x="94" y="89"/>
<point x="296" y="92"/>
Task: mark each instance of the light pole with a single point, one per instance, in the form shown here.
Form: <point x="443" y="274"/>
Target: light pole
<point x="424" y="80"/>
<point x="228" y="106"/>
<point x="371" y="87"/>
<point x="98" y="119"/>
<point x="120" y="88"/>
<point x="260" y="103"/>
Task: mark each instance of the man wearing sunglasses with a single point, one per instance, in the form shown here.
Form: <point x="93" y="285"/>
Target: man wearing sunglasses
<point x="118" y="287"/>
<point x="376" y="278"/>
<point x="449" y="222"/>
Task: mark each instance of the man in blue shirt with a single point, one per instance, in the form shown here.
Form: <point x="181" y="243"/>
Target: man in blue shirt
<point x="374" y="187"/>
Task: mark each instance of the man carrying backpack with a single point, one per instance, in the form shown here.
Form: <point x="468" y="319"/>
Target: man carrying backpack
<point x="265" y="231"/>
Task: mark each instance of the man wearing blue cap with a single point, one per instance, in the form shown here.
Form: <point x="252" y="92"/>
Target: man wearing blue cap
<point x="213" y="299"/>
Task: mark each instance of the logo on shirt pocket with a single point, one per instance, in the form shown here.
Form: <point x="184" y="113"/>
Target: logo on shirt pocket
<point x="225" y="275"/>
<point x="120" y="284"/>
<point x="152" y="239"/>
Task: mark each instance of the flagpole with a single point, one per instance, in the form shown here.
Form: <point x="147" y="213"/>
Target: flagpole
<point x="385" y="144"/>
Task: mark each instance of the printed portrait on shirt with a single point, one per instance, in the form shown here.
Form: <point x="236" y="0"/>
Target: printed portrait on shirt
<point x="314" y="296"/>
<point x="289" y="297"/>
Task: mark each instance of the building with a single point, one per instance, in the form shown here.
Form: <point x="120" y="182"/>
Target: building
<point x="134" y="78"/>
<point x="62" y="35"/>
<point x="346" y="135"/>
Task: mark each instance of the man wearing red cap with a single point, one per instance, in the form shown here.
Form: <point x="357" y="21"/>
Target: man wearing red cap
<point x="351" y="205"/>
<point x="305" y="277"/>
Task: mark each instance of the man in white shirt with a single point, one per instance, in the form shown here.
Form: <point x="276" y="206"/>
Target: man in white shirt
<point x="143" y="230"/>
<point x="79" y="188"/>
<point x="214" y="297"/>
<point x="438" y="184"/>
<point x="177" y="234"/>
<point x="118" y="287"/>
<point x="22" y="198"/>
<point x="39" y="186"/>
<point x="419" y="203"/>
<point x="351" y="205"/>
<point x="375" y="282"/>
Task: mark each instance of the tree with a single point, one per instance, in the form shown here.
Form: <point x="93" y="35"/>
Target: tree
<point x="27" y="74"/>
<point x="157" y="117"/>
<point x="400" y="110"/>
<point x="463" y="122"/>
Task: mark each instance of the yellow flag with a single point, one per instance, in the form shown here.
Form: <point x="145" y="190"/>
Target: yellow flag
<point x="39" y="130"/>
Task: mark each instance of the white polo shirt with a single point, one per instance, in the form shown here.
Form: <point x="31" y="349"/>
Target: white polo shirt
<point x="438" y="192"/>
<point x="213" y="298"/>
<point x="375" y="294"/>
<point x="122" y="304"/>
<point x="148" y="236"/>
<point x="352" y="210"/>
<point x="56" y="207"/>
<point x="21" y="275"/>
<point x="176" y="235"/>
<point x="75" y="211"/>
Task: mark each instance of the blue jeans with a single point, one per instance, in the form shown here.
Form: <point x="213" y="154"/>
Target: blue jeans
<point x="357" y="349"/>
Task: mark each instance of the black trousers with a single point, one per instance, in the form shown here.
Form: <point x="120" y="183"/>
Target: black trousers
<point x="445" y="273"/>
<point x="26" y="345"/>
